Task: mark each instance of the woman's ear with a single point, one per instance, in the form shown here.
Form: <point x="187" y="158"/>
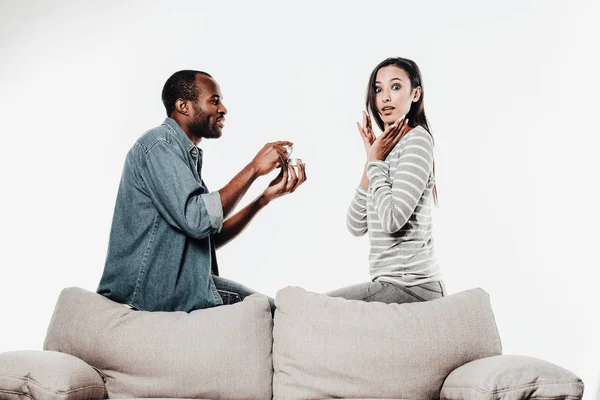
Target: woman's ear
<point x="416" y="94"/>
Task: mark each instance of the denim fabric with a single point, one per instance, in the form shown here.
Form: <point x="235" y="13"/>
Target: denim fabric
<point x="232" y="292"/>
<point x="161" y="251"/>
<point x="388" y="292"/>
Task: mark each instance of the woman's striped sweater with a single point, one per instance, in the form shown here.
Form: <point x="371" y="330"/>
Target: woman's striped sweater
<point x="396" y="211"/>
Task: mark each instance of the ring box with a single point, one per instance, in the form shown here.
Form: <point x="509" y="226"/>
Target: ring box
<point x="291" y="161"/>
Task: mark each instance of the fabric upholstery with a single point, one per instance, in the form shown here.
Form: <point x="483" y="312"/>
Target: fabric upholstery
<point x="335" y="348"/>
<point x="511" y="378"/>
<point x="222" y="352"/>
<point x="45" y="375"/>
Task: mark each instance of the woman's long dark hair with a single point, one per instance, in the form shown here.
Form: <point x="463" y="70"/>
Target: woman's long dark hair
<point x="416" y="114"/>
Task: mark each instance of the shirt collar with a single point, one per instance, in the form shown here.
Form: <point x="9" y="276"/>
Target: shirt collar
<point x="180" y="135"/>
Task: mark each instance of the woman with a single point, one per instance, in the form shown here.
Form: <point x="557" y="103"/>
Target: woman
<point x="393" y="202"/>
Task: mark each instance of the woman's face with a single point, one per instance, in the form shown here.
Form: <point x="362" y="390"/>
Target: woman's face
<point x="394" y="93"/>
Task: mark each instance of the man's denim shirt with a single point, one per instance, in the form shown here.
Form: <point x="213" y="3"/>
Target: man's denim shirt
<point x="161" y="251"/>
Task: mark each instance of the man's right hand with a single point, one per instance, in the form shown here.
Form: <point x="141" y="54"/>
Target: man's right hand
<point x="271" y="156"/>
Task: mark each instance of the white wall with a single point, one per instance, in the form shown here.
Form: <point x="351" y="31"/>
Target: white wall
<point x="511" y="92"/>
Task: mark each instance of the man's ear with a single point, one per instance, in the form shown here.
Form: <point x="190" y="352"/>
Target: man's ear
<point x="417" y="94"/>
<point x="181" y="106"/>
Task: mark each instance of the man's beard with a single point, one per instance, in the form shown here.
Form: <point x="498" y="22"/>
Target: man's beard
<point x="201" y="127"/>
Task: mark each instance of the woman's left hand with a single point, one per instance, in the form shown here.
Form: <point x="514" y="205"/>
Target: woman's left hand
<point x="384" y="144"/>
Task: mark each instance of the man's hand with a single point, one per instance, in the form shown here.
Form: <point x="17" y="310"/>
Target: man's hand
<point x="271" y="156"/>
<point x="286" y="182"/>
<point x="385" y="143"/>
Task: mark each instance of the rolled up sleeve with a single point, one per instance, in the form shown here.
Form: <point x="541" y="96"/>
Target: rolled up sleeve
<point x="214" y="209"/>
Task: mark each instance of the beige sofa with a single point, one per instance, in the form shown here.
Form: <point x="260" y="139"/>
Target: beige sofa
<point x="316" y="347"/>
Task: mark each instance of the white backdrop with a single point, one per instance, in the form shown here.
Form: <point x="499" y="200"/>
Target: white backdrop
<point x="511" y="92"/>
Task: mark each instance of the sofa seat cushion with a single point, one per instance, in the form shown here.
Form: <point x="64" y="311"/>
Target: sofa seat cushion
<point x="335" y="348"/>
<point x="511" y="378"/>
<point x="45" y="375"/>
<point x="221" y="352"/>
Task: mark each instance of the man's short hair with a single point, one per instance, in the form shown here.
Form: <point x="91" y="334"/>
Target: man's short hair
<point x="180" y="85"/>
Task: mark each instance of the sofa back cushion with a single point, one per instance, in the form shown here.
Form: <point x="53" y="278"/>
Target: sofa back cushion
<point x="335" y="348"/>
<point x="222" y="352"/>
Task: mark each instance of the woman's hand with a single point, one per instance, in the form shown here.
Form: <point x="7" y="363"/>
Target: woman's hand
<point x="383" y="145"/>
<point x="366" y="132"/>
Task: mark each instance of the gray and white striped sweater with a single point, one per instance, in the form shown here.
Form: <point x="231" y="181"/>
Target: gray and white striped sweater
<point x="396" y="211"/>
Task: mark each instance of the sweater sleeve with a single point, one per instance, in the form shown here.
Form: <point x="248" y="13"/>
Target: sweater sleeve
<point x="396" y="196"/>
<point x="356" y="217"/>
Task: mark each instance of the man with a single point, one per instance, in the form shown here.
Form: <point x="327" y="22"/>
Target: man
<point x="166" y="224"/>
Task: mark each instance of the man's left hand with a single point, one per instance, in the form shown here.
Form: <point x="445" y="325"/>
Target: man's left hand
<point x="286" y="182"/>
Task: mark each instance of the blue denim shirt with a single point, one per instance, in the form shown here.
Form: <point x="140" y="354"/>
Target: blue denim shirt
<point x="161" y="253"/>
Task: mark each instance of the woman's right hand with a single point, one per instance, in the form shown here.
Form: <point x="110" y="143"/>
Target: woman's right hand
<point x="366" y="132"/>
<point x="390" y="137"/>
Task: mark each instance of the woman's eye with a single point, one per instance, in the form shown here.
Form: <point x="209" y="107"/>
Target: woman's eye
<point x="377" y="90"/>
<point x="396" y="87"/>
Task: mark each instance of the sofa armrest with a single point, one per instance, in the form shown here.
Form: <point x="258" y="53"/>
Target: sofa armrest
<point x="511" y="377"/>
<point x="45" y="375"/>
